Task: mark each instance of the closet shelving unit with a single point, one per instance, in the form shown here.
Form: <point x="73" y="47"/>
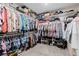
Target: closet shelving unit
<point x="66" y="14"/>
<point x="71" y="50"/>
<point x="17" y="33"/>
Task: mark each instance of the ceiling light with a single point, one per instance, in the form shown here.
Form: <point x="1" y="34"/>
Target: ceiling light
<point x="46" y="4"/>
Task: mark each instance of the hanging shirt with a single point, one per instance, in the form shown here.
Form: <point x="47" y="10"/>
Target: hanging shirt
<point x="25" y="22"/>
<point x="62" y="23"/>
<point x="68" y="32"/>
<point x="21" y="22"/>
<point x="14" y="19"/>
<point x="4" y="17"/>
<point x="9" y="19"/>
<point x="75" y="33"/>
<point x="59" y="32"/>
<point x="63" y="18"/>
<point x="28" y="23"/>
<point x="50" y="32"/>
<point x="17" y="20"/>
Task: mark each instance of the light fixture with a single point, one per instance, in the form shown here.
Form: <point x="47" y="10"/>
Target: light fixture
<point x="45" y="4"/>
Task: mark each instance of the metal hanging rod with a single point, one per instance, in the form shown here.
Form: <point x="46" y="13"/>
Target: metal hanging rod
<point x="64" y="14"/>
<point x="10" y="35"/>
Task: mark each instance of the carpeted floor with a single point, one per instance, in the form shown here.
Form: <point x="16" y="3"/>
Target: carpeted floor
<point x="45" y="50"/>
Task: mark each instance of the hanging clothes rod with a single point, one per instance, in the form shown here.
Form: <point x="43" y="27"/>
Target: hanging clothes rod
<point x="64" y="14"/>
<point x="22" y="13"/>
<point x="10" y="35"/>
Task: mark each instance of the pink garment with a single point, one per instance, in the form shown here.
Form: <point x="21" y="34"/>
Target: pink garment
<point x="53" y="28"/>
<point x="3" y="45"/>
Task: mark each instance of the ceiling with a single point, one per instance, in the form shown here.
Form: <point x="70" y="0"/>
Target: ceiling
<point x="44" y="7"/>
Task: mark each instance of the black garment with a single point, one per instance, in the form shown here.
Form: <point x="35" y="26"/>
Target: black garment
<point x="1" y="52"/>
<point x="39" y="39"/>
<point x="49" y="40"/>
<point x="61" y="43"/>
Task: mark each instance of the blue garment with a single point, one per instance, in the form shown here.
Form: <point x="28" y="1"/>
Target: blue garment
<point x="27" y="36"/>
<point x="25" y="22"/>
<point x="15" y="42"/>
<point x="22" y="40"/>
<point x="21" y="22"/>
<point x="28" y="23"/>
<point x="18" y="42"/>
<point x="7" y="42"/>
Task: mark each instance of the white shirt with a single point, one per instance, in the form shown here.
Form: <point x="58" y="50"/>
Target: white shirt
<point x="75" y="33"/>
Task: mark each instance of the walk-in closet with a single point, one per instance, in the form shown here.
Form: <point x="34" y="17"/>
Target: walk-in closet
<point x="39" y="29"/>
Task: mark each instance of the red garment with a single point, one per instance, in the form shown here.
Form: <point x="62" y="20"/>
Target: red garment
<point x="4" y="17"/>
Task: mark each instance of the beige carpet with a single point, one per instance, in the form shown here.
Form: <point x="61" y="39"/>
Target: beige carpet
<point x="45" y="50"/>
